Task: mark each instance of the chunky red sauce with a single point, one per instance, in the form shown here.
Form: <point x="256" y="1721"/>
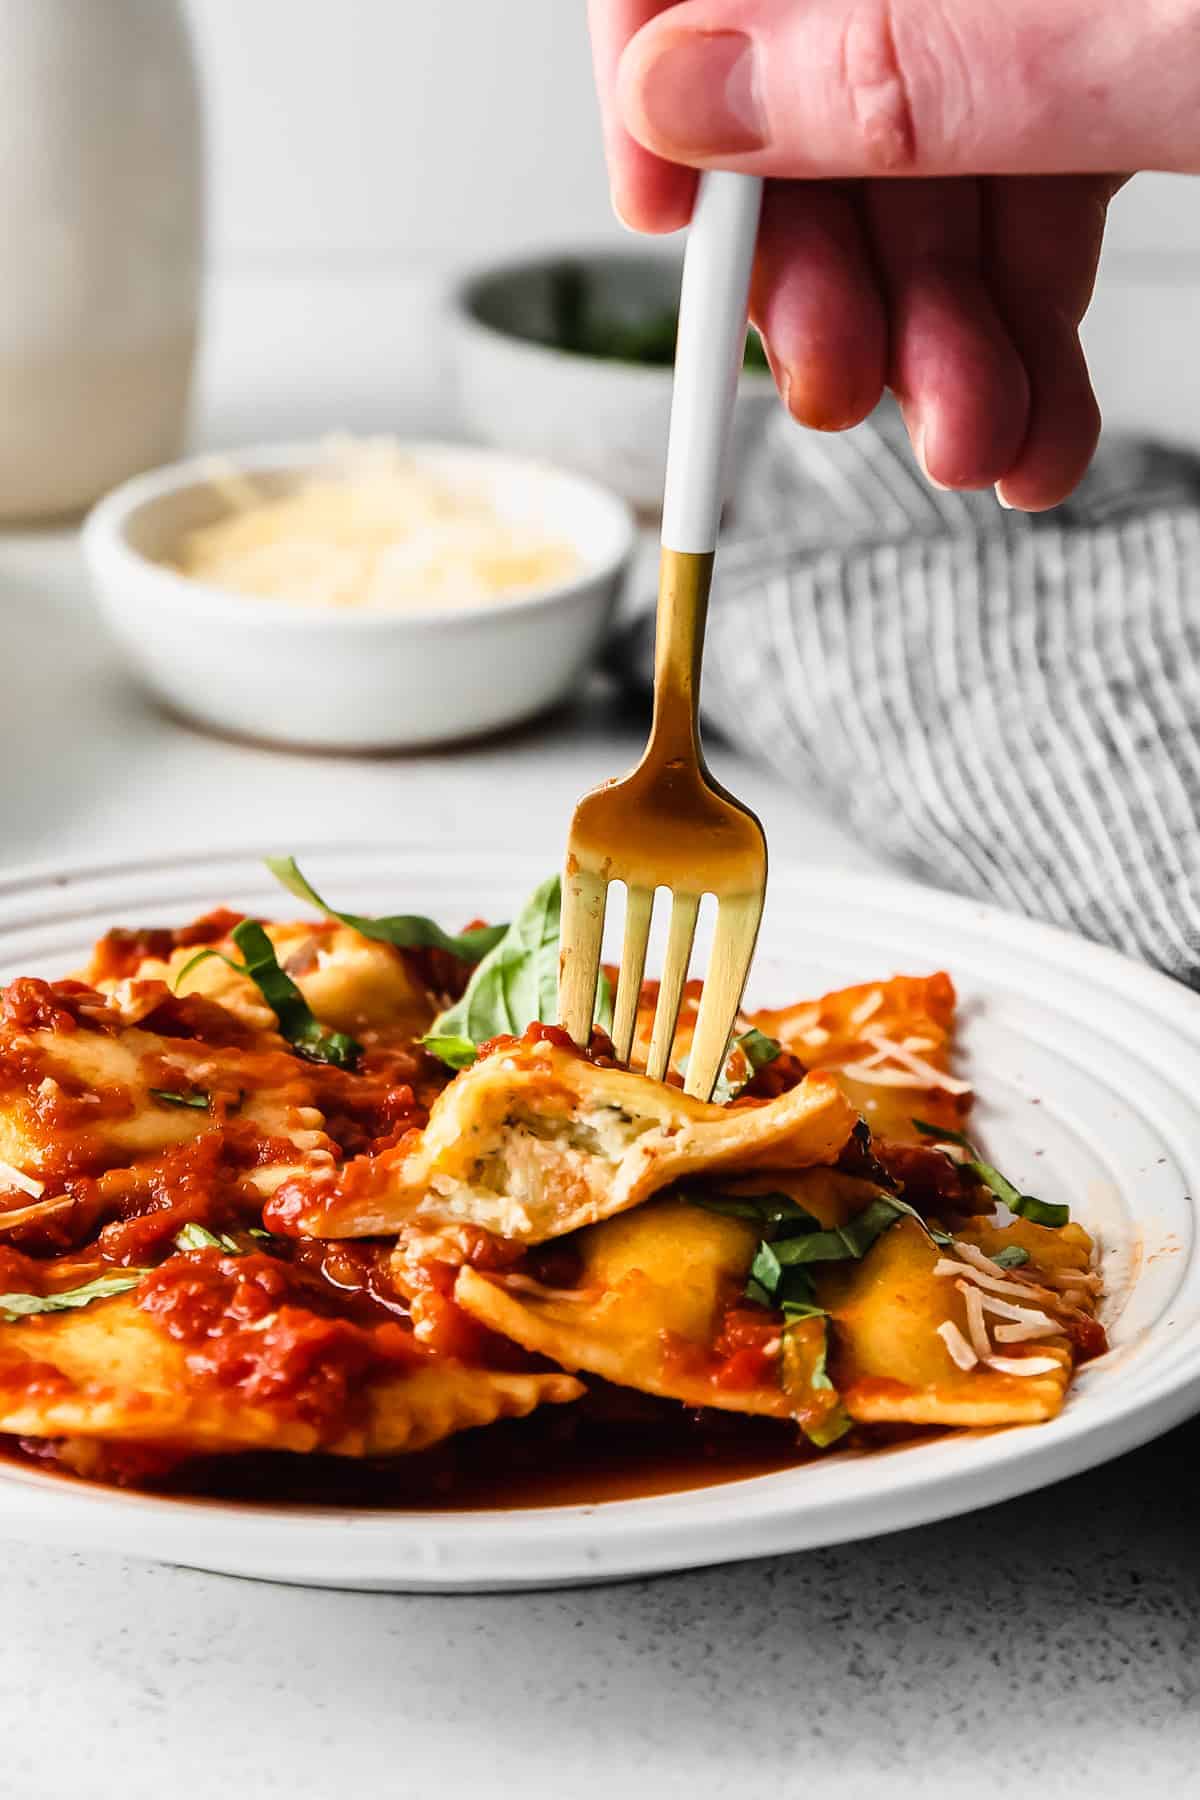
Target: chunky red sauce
<point x="247" y="1322"/>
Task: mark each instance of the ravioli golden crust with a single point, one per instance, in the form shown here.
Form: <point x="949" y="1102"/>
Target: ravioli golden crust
<point x="111" y="1372"/>
<point x="536" y="1141"/>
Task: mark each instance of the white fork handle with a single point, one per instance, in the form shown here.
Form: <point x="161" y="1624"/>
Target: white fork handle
<point x="713" y="304"/>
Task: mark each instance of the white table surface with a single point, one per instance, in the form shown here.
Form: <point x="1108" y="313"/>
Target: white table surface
<point x="1049" y="1647"/>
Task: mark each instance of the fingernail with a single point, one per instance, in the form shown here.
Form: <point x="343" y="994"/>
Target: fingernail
<point x="700" y="94"/>
<point x="918" y="444"/>
<point x="622" y="221"/>
<point x="1006" y="504"/>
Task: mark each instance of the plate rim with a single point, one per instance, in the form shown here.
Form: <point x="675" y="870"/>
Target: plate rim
<point x="608" y="1540"/>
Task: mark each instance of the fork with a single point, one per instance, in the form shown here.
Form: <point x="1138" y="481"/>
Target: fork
<point x="668" y="823"/>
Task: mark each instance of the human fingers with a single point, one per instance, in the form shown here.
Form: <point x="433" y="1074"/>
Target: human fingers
<point x="648" y="193"/>
<point x="846" y="88"/>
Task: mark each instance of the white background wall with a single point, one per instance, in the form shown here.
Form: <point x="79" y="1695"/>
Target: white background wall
<point x="361" y="149"/>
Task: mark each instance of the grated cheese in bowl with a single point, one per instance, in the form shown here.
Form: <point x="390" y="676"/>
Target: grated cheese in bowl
<point x="376" y="530"/>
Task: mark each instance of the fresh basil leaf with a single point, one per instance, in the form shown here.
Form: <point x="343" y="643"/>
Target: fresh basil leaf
<point x="1027" y="1206"/>
<point x="408" y="931"/>
<point x="297" y="1022"/>
<point x="842" y="1243"/>
<point x="758" y="1209"/>
<point x="766" y="1270"/>
<point x="802" y="1309"/>
<point x="757" y="1049"/>
<point x="1011" y="1257"/>
<point x="456" y="1052"/>
<point x="516" y="984"/>
<point x="1039" y="1212"/>
<point x="24" y="1306"/>
<point x="803" y="1373"/>
<point x="604" y="1002"/>
<point x="795" y="1289"/>
<point x="194" y="1236"/>
<point x="198" y="1099"/>
<point x="754" y="1290"/>
<point x="943" y="1135"/>
<point x="941" y="1238"/>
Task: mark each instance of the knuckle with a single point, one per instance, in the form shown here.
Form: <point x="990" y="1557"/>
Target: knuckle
<point x="903" y="84"/>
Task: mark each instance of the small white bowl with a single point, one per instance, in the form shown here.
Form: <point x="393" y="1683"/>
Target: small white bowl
<point x="324" y="678"/>
<point x="600" y="416"/>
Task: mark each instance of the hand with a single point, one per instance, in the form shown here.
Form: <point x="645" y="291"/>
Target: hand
<point x="940" y="174"/>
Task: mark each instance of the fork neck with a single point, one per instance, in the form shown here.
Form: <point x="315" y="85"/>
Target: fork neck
<point x="684" y="580"/>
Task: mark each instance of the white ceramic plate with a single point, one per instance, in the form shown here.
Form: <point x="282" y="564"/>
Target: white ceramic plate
<point x="1087" y="1064"/>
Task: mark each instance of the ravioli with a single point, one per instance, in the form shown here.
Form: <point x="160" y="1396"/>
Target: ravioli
<point x="524" y="1234"/>
<point x="889" y="1362"/>
<point x="535" y="1141"/>
<point x="890" y="1045"/>
<point x="111" y="1372"/>
<point x="351" y="982"/>
<point x="654" y="1288"/>
<point x="83" y="1092"/>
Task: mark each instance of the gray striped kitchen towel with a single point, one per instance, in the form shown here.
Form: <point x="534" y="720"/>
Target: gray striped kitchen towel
<point x="1007" y="706"/>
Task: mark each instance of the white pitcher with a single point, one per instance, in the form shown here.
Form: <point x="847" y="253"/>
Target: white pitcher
<point x="101" y="221"/>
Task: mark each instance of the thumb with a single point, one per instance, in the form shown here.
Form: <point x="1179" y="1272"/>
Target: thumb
<point x="844" y="88"/>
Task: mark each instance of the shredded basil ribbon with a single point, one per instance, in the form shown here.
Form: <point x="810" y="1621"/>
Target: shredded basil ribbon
<point x="758" y="1050"/>
<point x="194" y="1236"/>
<point x="1027" y="1206"/>
<point x="407" y="931"/>
<point x="794" y="1238"/>
<point x="197" y="1099"/>
<point x="515" y="986"/>
<point x="24" y="1306"/>
<point x="297" y="1022"/>
<point x="803" y="1371"/>
<point x="1011" y="1257"/>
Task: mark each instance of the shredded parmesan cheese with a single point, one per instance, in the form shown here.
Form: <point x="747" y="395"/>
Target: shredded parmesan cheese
<point x="961" y="1352"/>
<point x="1024" y="1365"/>
<point x="916" y="1065"/>
<point x="17" y="1178"/>
<point x="372" y="531"/>
<point x="866" y="1009"/>
<point x="1071" y="1278"/>
<point x="998" y="1281"/>
<point x="1027" y="1317"/>
<point x="1020" y="1334"/>
<point x="976" y="1325"/>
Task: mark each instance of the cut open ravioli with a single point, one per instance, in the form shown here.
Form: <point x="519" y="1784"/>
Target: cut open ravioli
<point x="110" y="1372"/>
<point x="536" y="1141"/>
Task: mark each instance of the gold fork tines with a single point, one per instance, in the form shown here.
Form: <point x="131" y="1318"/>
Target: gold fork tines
<point x="668" y="824"/>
